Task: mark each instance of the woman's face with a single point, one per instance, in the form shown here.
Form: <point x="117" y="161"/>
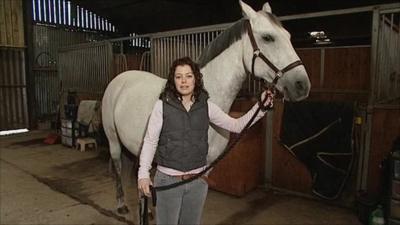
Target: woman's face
<point x="184" y="80"/>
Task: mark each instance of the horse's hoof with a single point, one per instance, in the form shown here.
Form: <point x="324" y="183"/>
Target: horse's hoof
<point x="123" y="210"/>
<point x="151" y="216"/>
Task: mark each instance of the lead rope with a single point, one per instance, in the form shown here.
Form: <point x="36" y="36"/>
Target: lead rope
<point x="278" y="74"/>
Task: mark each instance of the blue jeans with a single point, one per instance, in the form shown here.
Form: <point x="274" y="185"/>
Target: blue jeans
<point x="180" y="205"/>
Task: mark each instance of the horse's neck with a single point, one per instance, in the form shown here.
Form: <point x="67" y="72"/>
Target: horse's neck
<point x="224" y="75"/>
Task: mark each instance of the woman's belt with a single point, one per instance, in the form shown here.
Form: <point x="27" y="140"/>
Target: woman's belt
<point x="188" y="176"/>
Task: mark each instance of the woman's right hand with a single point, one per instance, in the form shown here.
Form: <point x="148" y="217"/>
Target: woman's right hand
<point x="269" y="102"/>
<point x="144" y="186"/>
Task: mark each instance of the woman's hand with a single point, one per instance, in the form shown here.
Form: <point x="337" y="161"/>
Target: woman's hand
<point x="144" y="186"/>
<point x="269" y="103"/>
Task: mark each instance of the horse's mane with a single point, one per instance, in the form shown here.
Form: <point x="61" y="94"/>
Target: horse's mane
<point x="222" y="42"/>
<point x="227" y="38"/>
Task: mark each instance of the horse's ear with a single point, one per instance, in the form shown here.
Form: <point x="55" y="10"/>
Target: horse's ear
<point x="247" y="10"/>
<point x="267" y="8"/>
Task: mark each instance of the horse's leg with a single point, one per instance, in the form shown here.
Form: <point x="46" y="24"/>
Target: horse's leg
<point x="115" y="150"/>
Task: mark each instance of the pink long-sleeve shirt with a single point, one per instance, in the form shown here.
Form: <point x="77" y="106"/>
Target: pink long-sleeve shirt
<point x="217" y="117"/>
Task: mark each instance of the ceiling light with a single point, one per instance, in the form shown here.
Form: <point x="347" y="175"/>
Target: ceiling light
<point x="317" y="34"/>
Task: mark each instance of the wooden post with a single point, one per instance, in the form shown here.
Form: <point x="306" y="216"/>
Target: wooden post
<point x="372" y="96"/>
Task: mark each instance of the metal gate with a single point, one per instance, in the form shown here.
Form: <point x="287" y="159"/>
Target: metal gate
<point x="166" y="47"/>
<point x="387" y="79"/>
<point x="86" y="68"/>
<point x="13" y="98"/>
<point x="46" y="43"/>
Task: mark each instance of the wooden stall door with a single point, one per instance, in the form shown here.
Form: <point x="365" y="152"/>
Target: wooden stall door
<point x="243" y="168"/>
<point x="385" y="129"/>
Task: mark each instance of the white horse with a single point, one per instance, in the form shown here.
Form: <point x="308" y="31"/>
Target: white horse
<point x="130" y="97"/>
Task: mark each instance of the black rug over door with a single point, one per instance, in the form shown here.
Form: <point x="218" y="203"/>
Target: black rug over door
<point x="319" y="134"/>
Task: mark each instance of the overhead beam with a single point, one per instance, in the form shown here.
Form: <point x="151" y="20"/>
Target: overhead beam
<point x="340" y="11"/>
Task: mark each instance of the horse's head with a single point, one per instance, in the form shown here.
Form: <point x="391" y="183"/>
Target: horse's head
<point x="276" y="61"/>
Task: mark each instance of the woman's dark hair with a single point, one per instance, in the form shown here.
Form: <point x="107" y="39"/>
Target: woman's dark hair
<point x="170" y="85"/>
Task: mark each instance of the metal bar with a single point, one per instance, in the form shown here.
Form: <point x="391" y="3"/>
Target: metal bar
<point x="209" y="38"/>
<point x="336" y="47"/>
<point x="380" y="74"/>
<point x="193" y="30"/>
<point x="339" y="12"/>
<point x="155" y="47"/>
<point x="37" y="68"/>
<point x="3" y="122"/>
<point x="339" y="91"/>
<point x="168" y="54"/>
<point x="179" y="46"/>
<point x="386" y="106"/>
<point x="170" y="51"/>
<point x="196" y="51"/>
<point x="5" y="47"/>
<point x="93" y="93"/>
<point x="159" y="59"/>
<point x="203" y="42"/>
<point x="7" y="91"/>
<point x="360" y="166"/>
<point x="154" y="55"/>
<point x="110" y="62"/>
<point x="191" y="54"/>
<point x="97" y="73"/>
<point x="24" y="90"/>
<point x="82" y="46"/>
<point x="268" y="148"/>
<point x="398" y="54"/>
<point x="182" y="45"/>
<point x="14" y="99"/>
<point x="163" y="56"/>
<point x="374" y="50"/>
<point x="12" y="86"/>
<point x="84" y="82"/>
<point x="391" y="10"/>
<point x="185" y="44"/>
<point x="391" y="54"/>
<point x="175" y="48"/>
<point x="27" y="58"/>
<point x="322" y="68"/>
<point x="21" y="108"/>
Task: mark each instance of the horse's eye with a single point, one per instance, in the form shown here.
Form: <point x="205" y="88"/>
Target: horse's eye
<point x="268" y="38"/>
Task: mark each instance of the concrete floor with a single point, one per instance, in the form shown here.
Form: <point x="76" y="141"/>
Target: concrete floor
<point x="52" y="184"/>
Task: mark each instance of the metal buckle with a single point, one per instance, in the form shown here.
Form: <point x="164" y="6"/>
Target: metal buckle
<point x="256" y="52"/>
<point x="279" y="73"/>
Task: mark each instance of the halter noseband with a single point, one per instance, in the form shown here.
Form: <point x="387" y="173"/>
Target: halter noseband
<point x="258" y="53"/>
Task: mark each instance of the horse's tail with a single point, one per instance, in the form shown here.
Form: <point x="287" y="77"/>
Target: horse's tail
<point x="109" y="101"/>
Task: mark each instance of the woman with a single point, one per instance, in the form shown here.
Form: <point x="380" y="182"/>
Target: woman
<point x="177" y="135"/>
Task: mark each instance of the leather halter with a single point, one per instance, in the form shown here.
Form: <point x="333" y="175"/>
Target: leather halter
<point x="258" y="53"/>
